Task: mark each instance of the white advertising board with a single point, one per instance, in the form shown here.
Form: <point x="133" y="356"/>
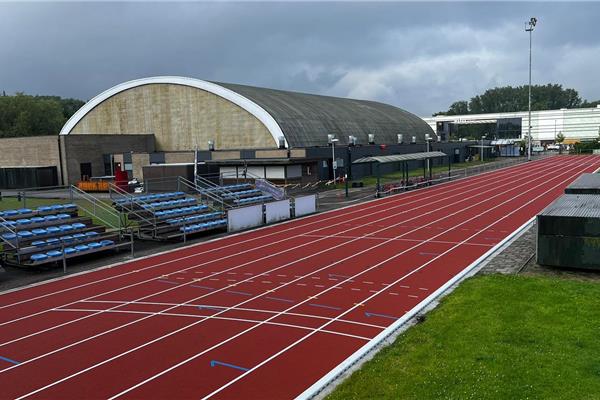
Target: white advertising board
<point x="305" y="205"/>
<point x="244" y="218"/>
<point x="277" y="210"/>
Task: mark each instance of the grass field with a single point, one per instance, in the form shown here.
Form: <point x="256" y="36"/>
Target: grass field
<point x="495" y="337"/>
<point x="8" y="203"/>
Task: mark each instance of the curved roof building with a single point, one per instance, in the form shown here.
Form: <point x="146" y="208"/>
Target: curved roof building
<point x="183" y="113"/>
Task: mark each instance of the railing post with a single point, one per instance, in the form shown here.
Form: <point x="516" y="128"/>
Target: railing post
<point x="131" y="243"/>
<point x="64" y="256"/>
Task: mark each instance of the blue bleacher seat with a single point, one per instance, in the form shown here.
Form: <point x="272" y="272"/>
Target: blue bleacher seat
<point x="24" y="234"/>
<point x="53" y="241"/>
<point x="79" y="236"/>
<point x="106" y="243"/>
<point x="39" y="243"/>
<point x="51" y="218"/>
<point x="63" y="216"/>
<point x="57" y="207"/>
<point x="70" y="207"/>
<point x="52" y="230"/>
<point x="81" y="247"/>
<point x="91" y="234"/>
<point x="54" y="253"/>
<point x="78" y="225"/>
<point x="37" y="220"/>
<point x="9" y="236"/>
<point x="67" y="238"/>
<point x="10" y="213"/>
<point x="38" y="257"/>
<point x="39" y="232"/>
<point x="8" y="224"/>
<point x="66" y="228"/>
<point x="70" y="250"/>
<point x="23" y="221"/>
<point x="45" y="209"/>
<point x="24" y="211"/>
<point x="94" y="245"/>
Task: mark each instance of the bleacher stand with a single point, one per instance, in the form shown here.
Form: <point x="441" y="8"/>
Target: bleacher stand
<point x="50" y="234"/>
<point x="170" y="215"/>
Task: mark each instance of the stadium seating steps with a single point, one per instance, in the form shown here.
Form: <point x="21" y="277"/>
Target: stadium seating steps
<point x="50" y="233"/>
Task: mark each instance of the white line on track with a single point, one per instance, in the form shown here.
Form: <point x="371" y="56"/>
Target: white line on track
<point x="253" y="321"/>
<point x="287" y="348"/>
<point x="479" y="193"/>
<point x="326" y="290"/>
<point x="511" y="179"/>
<point x="338" y="213"/>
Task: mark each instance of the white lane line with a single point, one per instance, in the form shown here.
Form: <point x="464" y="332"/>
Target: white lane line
<point x="349" y="280"/>
<point x="253" y="321"/>
<point x="311" y="297"/>
<point x="415" y="194"/>
<point x="495" y="187"/>
<point x="246" y="300"/>
<point x="345" y="312"/>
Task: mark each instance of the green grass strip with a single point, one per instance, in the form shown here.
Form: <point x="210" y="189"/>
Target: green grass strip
<point x="495" y="337"/>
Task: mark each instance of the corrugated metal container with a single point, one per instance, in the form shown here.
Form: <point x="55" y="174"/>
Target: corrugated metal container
<point x="569" y="232"/>
<point x="585" y="184"/>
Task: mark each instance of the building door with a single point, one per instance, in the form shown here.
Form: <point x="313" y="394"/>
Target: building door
<point x="86" y="171"/>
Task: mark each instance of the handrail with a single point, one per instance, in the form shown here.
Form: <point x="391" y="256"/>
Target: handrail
<point x="7" y="228"/>
<point x="190" y="185"/>
<point x="97" y="204"/>
<point x="128" y="205"/>
<point x="214" y="188"/>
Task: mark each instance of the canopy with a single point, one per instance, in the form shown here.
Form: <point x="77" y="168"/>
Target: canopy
<point x="400" y="157"/>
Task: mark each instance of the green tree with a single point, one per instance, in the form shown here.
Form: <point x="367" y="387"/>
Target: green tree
<point x="24" y="115"/>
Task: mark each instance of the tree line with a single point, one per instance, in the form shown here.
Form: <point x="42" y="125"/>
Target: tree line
<point x="511" y="99"/>
<point x="26" y="115"/>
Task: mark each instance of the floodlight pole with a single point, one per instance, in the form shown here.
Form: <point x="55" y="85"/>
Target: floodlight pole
<point x="482" y="137"/>
<point x="333" y="164"/>
<point x="532" y="22"/>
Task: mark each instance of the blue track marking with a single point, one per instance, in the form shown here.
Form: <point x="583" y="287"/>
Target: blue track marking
<point x="338" y="276"/>
<point x="215" y="363"/>
<point x="203" y="287"/>
<point x="279" y="299"/>
<point x="370" y="314"/>
<point x="324" y="306"/>
<point x="9" y="360"/>
<point x="169" y="282"/>
<point x="242" y="293"/>
<point x="424" y="253"/>
<point x="210" y="308"/>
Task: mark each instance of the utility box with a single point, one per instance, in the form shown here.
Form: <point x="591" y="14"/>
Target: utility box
<point x="569" y="232"/>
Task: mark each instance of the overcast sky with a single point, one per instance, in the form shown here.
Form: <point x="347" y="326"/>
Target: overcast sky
<point x="418" y="56"/>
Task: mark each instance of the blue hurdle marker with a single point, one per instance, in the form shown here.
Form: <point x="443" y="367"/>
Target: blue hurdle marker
<point x="169" y="282"/>
<point x="279" y="299"/>
<point x="215" y="362"/>
<point x="369" y="314"/>
<point x="210" y="308"/>
<point x="324" y="306"/>
<point x="9" y="360"/>
<point x="240" y="293"/>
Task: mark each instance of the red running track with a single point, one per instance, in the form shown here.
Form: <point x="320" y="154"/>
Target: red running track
<point x="267" y="313"/>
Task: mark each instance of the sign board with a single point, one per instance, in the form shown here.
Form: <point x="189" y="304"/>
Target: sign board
<point x="267" y="187"/>
<point x="277" y="211"/>
<point x="304" y="205"/>
<point x="244" y="218"/>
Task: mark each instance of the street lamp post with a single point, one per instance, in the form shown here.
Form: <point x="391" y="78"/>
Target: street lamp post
<point x="532" y="22"/>
<point x="333" y="164"/>
<point x="482" y="137"/>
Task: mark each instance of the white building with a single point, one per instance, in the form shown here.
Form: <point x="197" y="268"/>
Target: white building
<point x="579" y="124"/>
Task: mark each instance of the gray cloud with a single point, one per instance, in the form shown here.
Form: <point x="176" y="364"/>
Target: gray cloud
<point x="419" y="56"/>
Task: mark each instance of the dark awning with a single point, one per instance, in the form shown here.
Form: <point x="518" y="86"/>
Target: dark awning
<point x="401" y="157"/>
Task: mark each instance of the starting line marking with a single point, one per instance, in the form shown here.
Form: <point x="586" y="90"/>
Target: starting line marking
<point x="215" y="362"/>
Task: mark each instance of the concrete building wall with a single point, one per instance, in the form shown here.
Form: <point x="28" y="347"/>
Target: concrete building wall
<point x="79" y="149"/>
<point x="39" y="151"/>
<point x="180" y="117"/>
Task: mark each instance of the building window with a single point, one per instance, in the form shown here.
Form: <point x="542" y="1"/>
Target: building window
<point x="86" y="171"/>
